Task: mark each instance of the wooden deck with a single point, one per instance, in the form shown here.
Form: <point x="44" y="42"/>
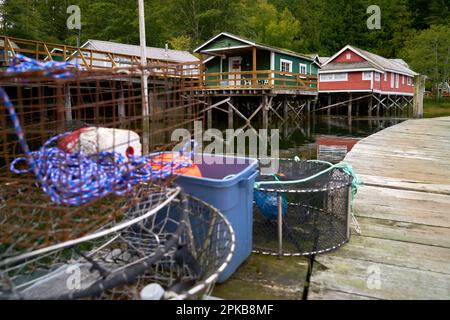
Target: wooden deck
<point x="404" y="211"/>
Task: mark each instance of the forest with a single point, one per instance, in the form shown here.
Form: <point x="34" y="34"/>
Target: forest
<point x="415" y="30"/>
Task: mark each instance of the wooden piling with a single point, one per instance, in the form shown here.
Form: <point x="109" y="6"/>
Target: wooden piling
<point x="329" y="104"/>
<point x="68" y="103"/>
<point x="230" y="116"/>
<point x="419" y="89"/>
<point x="265" y="112"/>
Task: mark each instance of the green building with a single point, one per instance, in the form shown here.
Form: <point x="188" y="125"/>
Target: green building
<point x="233" y="62"/>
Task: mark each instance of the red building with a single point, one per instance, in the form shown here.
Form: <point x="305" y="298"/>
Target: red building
<point x="354" y="72"/>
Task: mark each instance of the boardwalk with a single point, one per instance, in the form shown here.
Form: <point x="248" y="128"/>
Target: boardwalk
<point x="404" y="211"/>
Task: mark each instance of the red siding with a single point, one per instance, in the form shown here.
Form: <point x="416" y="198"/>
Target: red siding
<point x="355" y="82"/>
<point x="353" y="57"/>
<point x="386" y="85"/>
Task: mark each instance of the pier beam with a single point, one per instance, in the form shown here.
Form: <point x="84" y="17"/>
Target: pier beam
<point x="329" y="104"/>
<point x="121" y="106"/>
<point x="265" y="112"/>
<point x="230" y="115"/>
<point x="68" y="103"/>
<point x="369" y="107"/>
<point x="209" y="113"/>
<point x="350" y="105"/>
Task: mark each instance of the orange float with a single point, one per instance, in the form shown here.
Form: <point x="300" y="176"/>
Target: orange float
<point x="162" y="160"/>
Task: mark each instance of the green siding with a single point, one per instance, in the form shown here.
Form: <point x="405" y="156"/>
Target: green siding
<point x="263" y="63"/>
<point x="296" y="61"/>
<point x="224" y="42"/>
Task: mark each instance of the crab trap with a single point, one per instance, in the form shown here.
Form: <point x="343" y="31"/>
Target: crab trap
<point x="174" y="250"/>
<point x="77" y="147"/>
<point x="303" y="209"/>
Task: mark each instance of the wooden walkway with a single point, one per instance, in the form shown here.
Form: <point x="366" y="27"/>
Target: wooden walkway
<point x="404" y="211"/>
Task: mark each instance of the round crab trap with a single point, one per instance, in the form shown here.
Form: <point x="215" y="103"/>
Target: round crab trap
<point x="303" y="209"/>
<point x="173" y="251"/>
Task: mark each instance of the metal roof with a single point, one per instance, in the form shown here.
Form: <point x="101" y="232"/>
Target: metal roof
<point x="378" y="62"/>
<point x="133" y="50"/>
<point x="254" y="44"/>
<point x="348" y="66"/>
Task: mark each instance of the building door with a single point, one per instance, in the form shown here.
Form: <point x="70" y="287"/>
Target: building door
<point x="235" y="69"/>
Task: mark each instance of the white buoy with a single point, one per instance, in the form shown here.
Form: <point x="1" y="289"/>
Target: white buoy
<point x="152" y="292"/>
<point x="94" y="140"/>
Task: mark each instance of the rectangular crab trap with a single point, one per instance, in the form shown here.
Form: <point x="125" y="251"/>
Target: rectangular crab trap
<point x="77" y="146"/>
<point x="304" y="208"/>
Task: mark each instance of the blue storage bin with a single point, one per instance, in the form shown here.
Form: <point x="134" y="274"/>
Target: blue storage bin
<point x="232" y="196"/>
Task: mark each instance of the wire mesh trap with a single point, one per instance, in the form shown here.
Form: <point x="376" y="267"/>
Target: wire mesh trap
<point x="75" y="144"/>
<point x="181" y="247"/>
<point x="304" y="209"/>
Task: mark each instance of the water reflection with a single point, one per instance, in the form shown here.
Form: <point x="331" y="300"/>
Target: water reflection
<point x="299" y="138"/>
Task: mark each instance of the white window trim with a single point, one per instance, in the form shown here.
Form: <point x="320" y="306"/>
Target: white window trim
<point x="334" y="77"/>
<point x="397" y="81"/>
<point x="392" y="80"/>
<point x="403" y="79"/>
<point x="290" y="66"/>
<point x="303" y="65"/>
<point x="385" y="77"/>
<point x="348" y="56"/>
<point x="365" y="78"/>
<point x="377" y="76"/>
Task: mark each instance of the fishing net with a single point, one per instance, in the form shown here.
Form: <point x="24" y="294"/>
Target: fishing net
<point x="180" y="246"/>
<point x="314" y="199"/>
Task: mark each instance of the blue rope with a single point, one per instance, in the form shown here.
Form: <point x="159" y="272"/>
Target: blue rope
<point x="76" y="178"/>
<point x="54" y="69"/>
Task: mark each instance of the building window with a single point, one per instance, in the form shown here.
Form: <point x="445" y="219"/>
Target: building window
<point x="330" y="77"/>
<point x="409" y="81"/>
<point x="397" y="81"/>
<point x="303" y="68"/>
<point x="286" y="65"/>
<point x="367" y="75"/>
<point x="385" y="76"/>
<point x="403" y="80"/>
<point x="392" y="80"/>
<point x="377" y="76"/>
<point x="348" y="56"/>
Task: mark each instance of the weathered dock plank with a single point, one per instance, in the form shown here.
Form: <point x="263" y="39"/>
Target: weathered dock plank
<point x="404" y="211"/>
<point x="266" y="278"/>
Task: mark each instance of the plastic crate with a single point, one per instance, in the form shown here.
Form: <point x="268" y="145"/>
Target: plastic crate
<point x="229" y="188"/>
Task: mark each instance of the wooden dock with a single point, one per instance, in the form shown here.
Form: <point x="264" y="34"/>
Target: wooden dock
<point x="403" y="208"/>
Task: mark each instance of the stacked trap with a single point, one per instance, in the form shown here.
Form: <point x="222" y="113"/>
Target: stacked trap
<point x="87" y="203"/>
<point x="303" y="209"/>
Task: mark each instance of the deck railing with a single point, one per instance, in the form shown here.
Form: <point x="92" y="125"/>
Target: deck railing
<point x="192" y="73"/>
<point x="88" y="58"/>
<point x="264" y="79"/>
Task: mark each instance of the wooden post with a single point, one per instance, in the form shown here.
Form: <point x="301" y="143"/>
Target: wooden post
<point x="285" y="109"/>
<point x="357" y="108"/>
<point x="265" y="113"/>
<point x="231" y="115"/>
<point x="350" y="105"/>
<point x="121" y="106"/>
<point x="254" y="66"/>
<point x="369" y="107"/>
<point x="378" y="106"/>
<point x="60" y="109"/>
<point x="329" y="104"/>
<point x="68" y="103"/>
<point x="419" y="89"/>
<point x="209" y="113"/>
<point x="202" y="71"/>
